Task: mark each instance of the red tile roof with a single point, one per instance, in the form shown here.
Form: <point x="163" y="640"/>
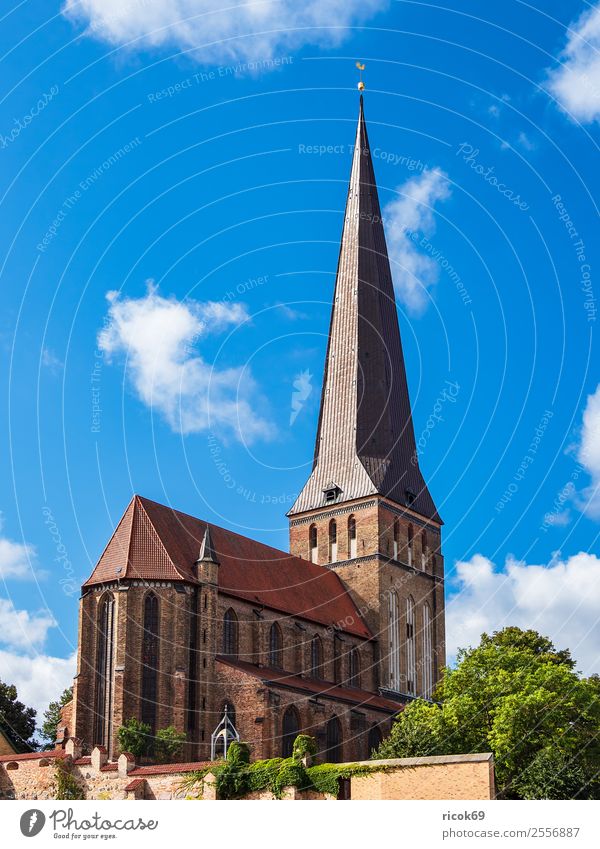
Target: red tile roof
<point x="324" y="689"/>
<point x="155" y="542"/>
<point x="32" y="756"/>
<point x="165" y="769"/>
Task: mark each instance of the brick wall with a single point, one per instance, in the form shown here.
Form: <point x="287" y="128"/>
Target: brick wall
<point x="33" y="777"/>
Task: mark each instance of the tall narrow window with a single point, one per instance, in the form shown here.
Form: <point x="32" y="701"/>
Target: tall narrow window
<point x="411" y="666"/>
<point x="396" y="538"/>
<point x="104" y="672"/>
<point x="316" y="657"/>
<point x="290" y="729"/>
<point x="423" y="549"/>
<point x="410" y="545"/>
<point x="427" y="653"/>
<point x="394" y="640"/>
<point x="313" y="544"/>
<point x="276" y="646"/>
<point x="337" y="659"/>
<point x="351" y="537"/>
<point x="354" y="663"/>
<point x="332" y="541"/>
<point x="374" y="739"/>
<point x="230" y="634"/>
<point x="334" y="741"/>
<point x="150" y="643"/>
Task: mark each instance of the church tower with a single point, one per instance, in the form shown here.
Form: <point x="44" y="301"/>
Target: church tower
<point x="365" y="510"/>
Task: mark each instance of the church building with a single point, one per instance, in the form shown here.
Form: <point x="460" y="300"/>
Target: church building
<point x="183" y="622"/>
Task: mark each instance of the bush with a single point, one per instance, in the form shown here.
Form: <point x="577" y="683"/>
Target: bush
<point x="135" y="737"/>
<point x="168" y="744"/>
<point x="304" y="746"/>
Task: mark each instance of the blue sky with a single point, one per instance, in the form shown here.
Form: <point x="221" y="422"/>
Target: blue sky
<point x="171" y="201"/>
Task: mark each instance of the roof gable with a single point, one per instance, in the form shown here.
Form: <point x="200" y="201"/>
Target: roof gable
<point x="155" y="542"/>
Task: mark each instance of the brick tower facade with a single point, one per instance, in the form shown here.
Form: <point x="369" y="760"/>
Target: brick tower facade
<point x="365" y="510"/>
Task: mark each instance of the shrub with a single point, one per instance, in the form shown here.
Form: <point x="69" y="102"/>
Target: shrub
<point x="135" y="737"/>
<point x="168" y="744"/>
<point x="304" y="746"/>
<point x="66" y="786"/>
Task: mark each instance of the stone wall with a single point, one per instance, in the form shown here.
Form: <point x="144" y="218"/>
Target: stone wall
<point x="446" y="777"/>
<point x="33" y="776"/>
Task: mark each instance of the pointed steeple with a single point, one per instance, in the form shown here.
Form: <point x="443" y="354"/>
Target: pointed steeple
<point x="365" y="440"/>
<point x="207" y="551"/>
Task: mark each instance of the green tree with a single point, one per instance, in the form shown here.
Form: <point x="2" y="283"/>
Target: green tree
<point x="16" y="720"/>
<point x="520" y="698"/>
<point x="135" y="737"/>
<point x="52" y="715"/>
<point x="168" y="744"/>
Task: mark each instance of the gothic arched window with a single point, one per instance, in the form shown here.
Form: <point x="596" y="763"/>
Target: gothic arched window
<point x="394" y="640"/>
<point x="333" y="741"/>
<point x="410" y="545"/>
<point x="150" y="642"/>
<point x="313" y="544"/>
<point x="104" y="671"/>
<point x="230" y="634"/>
<point x="316" y="657"/>
<point x="337" y="659"/>
<point x="411" y="666"/>
<point x="354" y="677"/>
<point x="290" y="729"/>
<point x="351" y="537"/>
<point x="275" y="646"/>
<point x="427" y="652"/>
<point x="423" y="549"/>
<point x="332" y="541"/>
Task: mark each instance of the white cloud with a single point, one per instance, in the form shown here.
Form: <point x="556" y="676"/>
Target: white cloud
<point x="588" y="454"/>
<point x="575" y="82"/>
<point x="51" y="361"/>
<point x="15" y="558"/>
<point x="251" y="30"/>
<point x="39" y="679"/>
<point x="22" y="629"/>
<point x="560" y="600"/>
<point x="409" y="224"/>
<point x="158" y="334"/>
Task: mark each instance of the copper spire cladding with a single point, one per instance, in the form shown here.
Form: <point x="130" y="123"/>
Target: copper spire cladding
<point x="365" y="440"/>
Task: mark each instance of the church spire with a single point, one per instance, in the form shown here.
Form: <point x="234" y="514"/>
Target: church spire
<point x="365" y="440"/>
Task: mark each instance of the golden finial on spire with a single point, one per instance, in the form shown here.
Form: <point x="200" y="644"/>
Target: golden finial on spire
<point x="361" y="85"/>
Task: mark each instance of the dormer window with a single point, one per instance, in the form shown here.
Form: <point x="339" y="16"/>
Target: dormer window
<point x="410" y="497"/>
<point x="331" y="492"/>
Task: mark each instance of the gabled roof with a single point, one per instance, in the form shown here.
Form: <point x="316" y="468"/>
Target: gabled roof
<point x="155" y="542"/>
<point x="365" y="438"/>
